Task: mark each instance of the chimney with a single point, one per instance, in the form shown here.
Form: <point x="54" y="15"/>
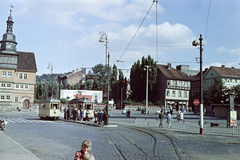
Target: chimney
<point x="233" y="68"/>
<point x="223" y="66"/>
<point x="169" y="65"/>
<point x="77" y="69"/>
<point x="206" y="69"/>
<point x="73" y="71"/>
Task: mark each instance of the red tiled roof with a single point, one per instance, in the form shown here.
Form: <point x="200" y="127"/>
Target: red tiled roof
<point x="26" y="61"/>
<point x="227" y="72"/>
<point x="172" y="73"/>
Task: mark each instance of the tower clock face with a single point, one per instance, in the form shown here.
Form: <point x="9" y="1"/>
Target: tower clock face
<point x="9" y="45"/>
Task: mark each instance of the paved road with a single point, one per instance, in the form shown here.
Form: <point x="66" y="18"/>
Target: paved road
<point x="60" y="140"/>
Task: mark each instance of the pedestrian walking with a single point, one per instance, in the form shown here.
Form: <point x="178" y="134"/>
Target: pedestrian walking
<point x="169" y="119"/>
<point x="87" y="114"/>
<point x="81" y="114"/>
<point x="100" y="117"/>
<point x="74" y="112"/>
<point x="181" y="117"/>
<point x="85" y="150"/>
<point x="95" y="116"/>
<point x="161" y="115"/>
<point x="65" y="112"/>
<point x="105" y="115"/>
<point x="178" y="116"/>
<point x="128" y="113"/>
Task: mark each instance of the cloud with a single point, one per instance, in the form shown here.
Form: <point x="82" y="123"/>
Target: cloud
<point x="66" y="13"/>
<point x="223" y="49"/>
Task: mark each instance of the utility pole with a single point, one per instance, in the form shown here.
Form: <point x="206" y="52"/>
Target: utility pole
<point x="196" y="43"/>
<point x="147" y="88"/>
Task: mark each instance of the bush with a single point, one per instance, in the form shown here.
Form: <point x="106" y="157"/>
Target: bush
<point x="63" y="100"/>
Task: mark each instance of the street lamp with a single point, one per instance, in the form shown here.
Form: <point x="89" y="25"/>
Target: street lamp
<point x="102" y="34"/>
<point x="147" y="87"/>
<point x="107" y="108"/>
<point x="50" y="66"/>
<point x="196" y="43"/>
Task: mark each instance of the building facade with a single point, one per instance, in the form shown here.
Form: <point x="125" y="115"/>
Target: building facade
<point x="74" y="77"/>
<point x="173" y="87"/>
<point x="229" y="76"/>
<point x="17" y="73"/>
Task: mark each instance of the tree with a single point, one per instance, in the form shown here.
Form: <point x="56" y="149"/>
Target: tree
<point x="114" y="82"/>
<point x="138" y="79"/>
<point x="216" y="93"/>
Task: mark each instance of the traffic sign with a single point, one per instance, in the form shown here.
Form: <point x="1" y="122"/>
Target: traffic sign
<point x="196" y="102"/>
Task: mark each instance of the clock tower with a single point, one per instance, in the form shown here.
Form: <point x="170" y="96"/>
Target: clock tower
<point x="8" y="53"/>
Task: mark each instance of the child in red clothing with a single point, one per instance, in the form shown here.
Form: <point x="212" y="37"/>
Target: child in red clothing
<point x="86" y="145"/>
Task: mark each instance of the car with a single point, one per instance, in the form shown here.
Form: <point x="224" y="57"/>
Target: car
<point x="158" y="111"/>
<point x="124" y="111"/>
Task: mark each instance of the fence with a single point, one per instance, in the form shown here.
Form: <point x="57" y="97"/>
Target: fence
<point x="209" y="127"/>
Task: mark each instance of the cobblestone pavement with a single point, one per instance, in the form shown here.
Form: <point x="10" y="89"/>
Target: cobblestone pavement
<point x="60" y="140"/>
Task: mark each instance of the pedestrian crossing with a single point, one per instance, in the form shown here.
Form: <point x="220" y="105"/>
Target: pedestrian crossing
<point x="18" y="120"/>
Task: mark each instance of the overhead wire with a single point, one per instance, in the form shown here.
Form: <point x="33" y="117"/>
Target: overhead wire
<point x="205" y="36"/>
<point x="136" y="31"/>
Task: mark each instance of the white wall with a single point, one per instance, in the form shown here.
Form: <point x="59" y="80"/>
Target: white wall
<point x="70" y="93"/>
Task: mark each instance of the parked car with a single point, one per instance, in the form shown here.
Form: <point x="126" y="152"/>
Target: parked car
<point x="158" y="111"/>
<point x="124" y="111"/>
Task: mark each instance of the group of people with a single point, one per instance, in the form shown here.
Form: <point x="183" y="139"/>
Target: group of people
<point x="76" y="114"/>
<point x="101" y="117"/>
<point x="169" y="118"/>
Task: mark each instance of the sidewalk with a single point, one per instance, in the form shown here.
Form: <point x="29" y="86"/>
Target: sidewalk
<point x="9" y="149"/>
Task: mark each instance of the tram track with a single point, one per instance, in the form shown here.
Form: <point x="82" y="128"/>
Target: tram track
<point x="182" y="155"/>
<point x="154" y="137"/>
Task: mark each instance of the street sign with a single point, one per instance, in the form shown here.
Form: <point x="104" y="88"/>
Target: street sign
<point x="196" y="102"/>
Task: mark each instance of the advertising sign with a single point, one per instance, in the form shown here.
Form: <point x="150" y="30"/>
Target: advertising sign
<point x="233" y="118"/>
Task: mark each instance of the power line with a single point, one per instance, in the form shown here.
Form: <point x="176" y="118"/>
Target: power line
<point x="136" y="32"/>
<point x="205" y="37"/>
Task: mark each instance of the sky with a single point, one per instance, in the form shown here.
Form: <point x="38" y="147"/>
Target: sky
<point x="66" y="33"/>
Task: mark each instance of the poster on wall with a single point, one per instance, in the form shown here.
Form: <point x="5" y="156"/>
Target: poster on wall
<point x="233" y="118"/>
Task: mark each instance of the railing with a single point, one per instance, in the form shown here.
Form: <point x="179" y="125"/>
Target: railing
<point x="225" y="128"/>
<point x="209" y="127"/>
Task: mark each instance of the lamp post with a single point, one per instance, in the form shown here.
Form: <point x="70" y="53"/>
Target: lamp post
<point x="196" y="43"/>
<point x="107" y="108"/>
<point x="50" y="66"/>
<point x="147" y="88"/>
<point x="102" y="34"/>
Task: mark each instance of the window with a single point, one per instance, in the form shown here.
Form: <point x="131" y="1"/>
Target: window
<point x="16" y="99"/>
<point x="2" y="97"/>
<point x="20" y="75"/>
<point x="3" y="85"/>
<point x="168" y="93"/>
<point x="17" y="85"/>
<point x="173" y="93"/>
<point x="7" y="97"/>
<point x="179" y="93"/>
<point x="9" y="74"/>
<point x="4" y="74"/>
<point x="25" y="76"/>
<point x="185" y="94"/>
<point x="21" y="86"/>
<point x="9" y="85"/>
<point x="26" y="86"/>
